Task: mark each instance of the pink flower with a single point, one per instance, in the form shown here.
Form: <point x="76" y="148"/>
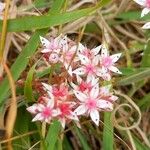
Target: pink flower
<point x="2" y="7"/>
<point x="85" y="86"/>
<point x="90" y="53"/>
<point x="145" y="4"/>
<point x="65" y="113"/>
<point x="91" y="104"/>
<point x="88" y="66"/>
<point x="108" y="62"/>
<point x="57" y="91"/>
<point x="43" y="112"/>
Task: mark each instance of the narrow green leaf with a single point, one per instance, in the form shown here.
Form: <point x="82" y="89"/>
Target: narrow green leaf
<point x="134" y="77"/>
<point x="28" y="84"/>
<point x="146" y="56"/>
<point x="22" y="61"/>
<point x="144" y="103"/>
<point x="139" y="145"/>
<point x="82" y="139"/>
<point x="46" y="21"/>
<point x="108" y="138"/>
<point x="52" y="135"/>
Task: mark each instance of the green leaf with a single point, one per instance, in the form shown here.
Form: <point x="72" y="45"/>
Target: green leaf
<point x="139" y="145"/>
<point x="134" y="77"/>
<point x="22" y="60"/>
<point x="132" y="15"/>
<point x="45" y="21"/>
<point x="30" y="48"/>
<point x="146" y="56"/>
<point x="23" y="118"/>
<point x="52" y="135"/>
<point x="53" y="19"/>
<point x="144" y="103"/>
<point x="28" y="84"/>
<point x="108" y="132"/>
<point x="82" y="139"/>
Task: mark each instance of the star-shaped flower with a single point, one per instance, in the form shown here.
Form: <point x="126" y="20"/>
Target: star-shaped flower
<point x="108" y="62"/>
<point x="91" y="104"/>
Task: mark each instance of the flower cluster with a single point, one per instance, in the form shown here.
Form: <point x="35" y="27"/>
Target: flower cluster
<point x="145" y="11"/>
<point x="2" y="7"/>
<point x="82" y="88"/>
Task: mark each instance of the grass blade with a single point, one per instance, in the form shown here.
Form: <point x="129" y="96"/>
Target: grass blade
<point x="108" y="138"/>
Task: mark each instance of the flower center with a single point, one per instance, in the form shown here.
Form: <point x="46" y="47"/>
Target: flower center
<point x="84" y="86"/>
<point x="91" y="104"/>
<point x="65" y="109"/>
<point x="47" y="112"/>
<point x="107" y="61"/>
<point x="90" y="68"/>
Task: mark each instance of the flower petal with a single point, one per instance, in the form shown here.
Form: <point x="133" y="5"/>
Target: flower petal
<point x="47" y="87"/>
<point x="95" y="91"/>
<point x="94" y="114"/>
<point x="79" y="71"/>
<point x="146" y="26"/>
<point x="103" y="104"/>
<point x="63" y="122"/>
<point x="80" y="96"/>
<point x="95" y="60"/>
<point x="33" y="109"/>
<point x="140" y="2"/>
<point x="96" y="50"/>
<point x="145" y="11"/>
<point x="44" y="42"/>
<point x="114" y="69"/>
<point x="50" y="103"/>
<point x="83" y="59"/>
<point x="115" y="57"/>
<point x="80" y="110"/>
<point x="104" y="51"/>
<point x="73" y="116"/>
<point x="38" y="117"/>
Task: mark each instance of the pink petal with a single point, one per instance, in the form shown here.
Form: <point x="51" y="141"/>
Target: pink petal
<point x="95" y="60"/>
<point x="114" y="69"/>
<point x="115" y="57"/>
<point x="104" y="51"/>
<point x="46" y="51"/>
<point x="79" y="71"/>
<point x="63" y="122"/>
<point x="96" y="50"/>
<point x="38" y="117"/>
<point x="145" y="11"/>
<point x="103" y="104"/>
<point x="73" y="116"/>
<point x="146" y="26"/>
<point x="81" y="48"/>
<point x="140" y="2"/>
<point x="84" y="59"/>
<point x="113" y="98"/>
<point x="80" y="96"/>
<point x="33" y="109"/>
<point x="79" y="79"/>
<point x="50" y="103"/>
<point x="44" y="42"/>
<point x="94" y="114"/>
<point x="95" y="91"/>
<point x="80" y="110"/>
